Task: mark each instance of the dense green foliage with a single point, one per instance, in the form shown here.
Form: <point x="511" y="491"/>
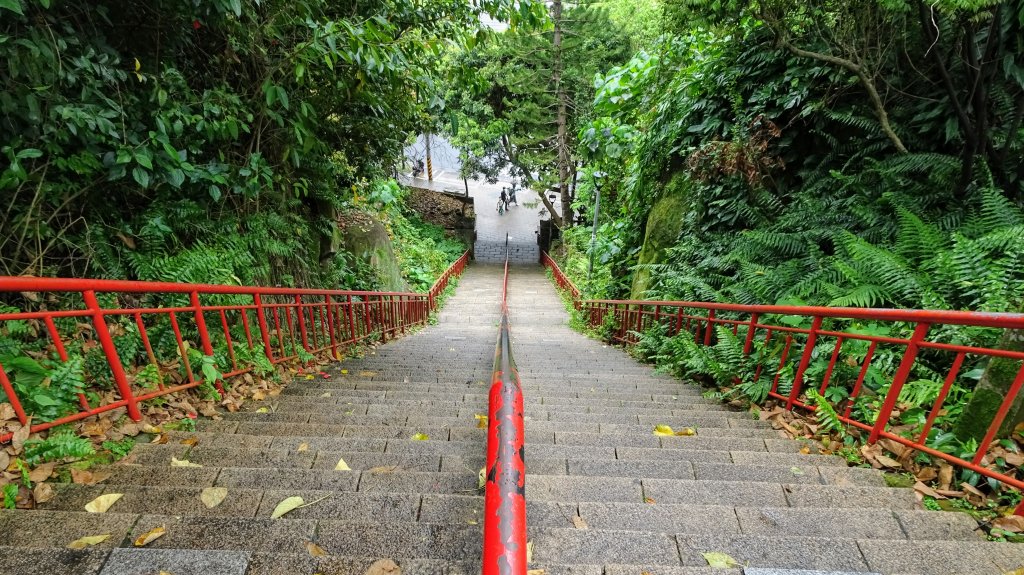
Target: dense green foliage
<point x="211" y="141"/>
<point x="863" y="154"/>
<point x="522" y="86"/>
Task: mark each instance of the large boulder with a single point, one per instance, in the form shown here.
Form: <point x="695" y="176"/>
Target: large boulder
<point x="664" y="224"/>
<point x="365" y="237"/>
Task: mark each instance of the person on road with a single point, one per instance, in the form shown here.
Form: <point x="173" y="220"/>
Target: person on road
<point x="503" y="202"/>
<point x="512" y="195"/>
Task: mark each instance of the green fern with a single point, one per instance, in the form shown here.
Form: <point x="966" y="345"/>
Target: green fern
<point x="828" y="418"/>
<point x="61" y="444"/>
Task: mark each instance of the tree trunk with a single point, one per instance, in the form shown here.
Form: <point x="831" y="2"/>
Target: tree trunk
<point x="991" y="390"/>
<point x="562" y="138"/>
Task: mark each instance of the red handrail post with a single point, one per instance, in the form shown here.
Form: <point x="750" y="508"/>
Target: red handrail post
<point x="110" y="351"/>
<point x="331" y="326"/>
<point x="748" y="344"/>
<point x="805" y="360"/>
<point x="302" y="322"/>
<point x="710" y="327"/>
<point x="902" y="373"/>
<point x="204" y="336"/>
<point x="351" y="320"/>
<point x="264" y="329"/>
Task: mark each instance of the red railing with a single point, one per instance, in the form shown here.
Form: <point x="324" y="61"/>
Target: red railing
<point x="169" y="326"/>
<point x="788" y="339"/>
<point x="505" y="489"/>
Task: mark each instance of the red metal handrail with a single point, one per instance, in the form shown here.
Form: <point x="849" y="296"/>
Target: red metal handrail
<point x="505" y="489"/>
<point x="807" y="326"/>
<point x="286" y="321"/>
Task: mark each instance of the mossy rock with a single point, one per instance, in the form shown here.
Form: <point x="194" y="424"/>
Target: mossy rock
<point x="664" y="224"/>
<point x="988" y="395"/>
<point x="368" y="240"/>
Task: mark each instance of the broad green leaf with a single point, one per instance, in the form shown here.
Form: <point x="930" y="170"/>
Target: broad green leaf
<point x="12" y="5"/>
<point x="29" y="153"/>
<point x="141" y="176"/>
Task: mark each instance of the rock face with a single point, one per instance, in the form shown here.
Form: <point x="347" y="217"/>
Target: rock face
<point x="453" y="212"/>
<point x="664" y="224"/>
<point x="366" y="238"/>
<point x="992" y="389"/>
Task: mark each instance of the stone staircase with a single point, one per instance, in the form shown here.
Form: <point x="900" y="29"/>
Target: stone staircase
<point x="605" y="495"/>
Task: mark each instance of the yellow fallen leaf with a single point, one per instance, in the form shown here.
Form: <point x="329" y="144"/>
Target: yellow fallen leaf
<point x="383" y="469"/>
<point x="213" y="496"/>
<point x="175" y="462"/>
<point x="344" y="372"/>
<point x="481" y="421"/>
<point x="88" y="541"/>
<point x="383" y="567"/>
<point x="315" y="550"/>
<point x="150" y="536"/>
<point x="147" y="428"/>
<point x="529" y="551"/>
<point x="190" y="441"/>
<point x="103" y="502"/>
<point x="720" y="560"/>
<point x="303" y="447"/>
<point x="578" y="522"/>
<point x="421" y="437"/>
<point x="481" y="478"/>
<point x="686" y="432"/>
<point x="534" y="572"/>
<point x="263" y="410"/>
<point x="326" y="394"/>
<point x="309" y="377"/>
<point x="796" y="471"/>
<point x="663" y="430"/>
<point x="367" y="373"/>
<point x="43" y="492"/>
<point x="288" y="504"/>
<point x="342" y="466"/>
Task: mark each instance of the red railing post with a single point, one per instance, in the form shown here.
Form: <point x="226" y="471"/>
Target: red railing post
<point x="261" y="319"/>
<point x="351" y="320"/>
<point x="302" y="322"/>
<point x="110" y="351"/>
<point x="710" y="329"/>
<point x="902" y="372"/>
<point x="805" y="360"/>
<point x="331" y="326"/>
<point x="204" y="336"/>
<point x="748" y="344"/>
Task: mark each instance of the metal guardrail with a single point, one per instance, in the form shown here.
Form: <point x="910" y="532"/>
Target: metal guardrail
<point x="505" y="488"/>
<point x="811" y="327"/>
<point x="166" y="320"/>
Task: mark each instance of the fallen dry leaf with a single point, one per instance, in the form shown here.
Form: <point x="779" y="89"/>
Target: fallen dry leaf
<point x="315" y="550"/>
<point x="88" y="541"/>
<point x="147" y="428"/>
<point x="85" y="477"/>
<point x="481" y="478"/>
<point x="150" y="536"/>
<point x="287" y="505"/>
<point x="1011" y="523"/>
<point x="160" y="439"/>
<point x="529" y="551"/>
<point x="302" y="447"/>
<point x="720" y="560"/>
<point x="325" y="394"/>
<point x="103" y="502"/>
<point x="175" y="462"/>
<point x="663" y="431"/>
<point x="578" y="522"/>
<point x="5" y="459"/>
<point x="383" y="567"/>
<point x="888" y="462"/>
<point x="481" y="421"/>
<point x="534" y="572"/>
<point x="945" y="475"/>
<point x="42" y="472"/>
<point x="925" y="490"/>
<point x="213" y="496"/>
<point x="383" y="469"/>
<point x="7" y="412"/>
<point x="190" y="441"/>
<point x="43" y="492"/>
<point x="342" y="466"/>
<point x="21" y="435"/>
<point x="421" y="437"/>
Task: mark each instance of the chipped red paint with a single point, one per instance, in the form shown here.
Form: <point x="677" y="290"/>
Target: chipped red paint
<point x="505" y="488"/>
